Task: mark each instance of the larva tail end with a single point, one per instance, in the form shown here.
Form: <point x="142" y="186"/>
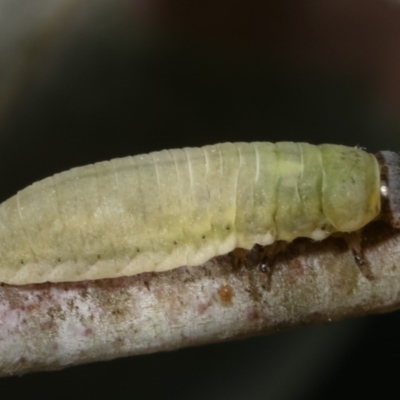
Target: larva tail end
<point x="390" y="187"/>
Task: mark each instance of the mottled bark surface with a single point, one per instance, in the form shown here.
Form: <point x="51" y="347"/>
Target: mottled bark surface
<point x="51" y="326"/>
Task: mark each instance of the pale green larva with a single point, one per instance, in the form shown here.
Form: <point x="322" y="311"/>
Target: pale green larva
<point x="167" y="209"/>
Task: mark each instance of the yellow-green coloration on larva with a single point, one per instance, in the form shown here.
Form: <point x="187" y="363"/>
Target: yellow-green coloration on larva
<point x="171" y="208"/>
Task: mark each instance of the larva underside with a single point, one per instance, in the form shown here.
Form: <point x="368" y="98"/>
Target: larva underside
<point x="171" y="208"/>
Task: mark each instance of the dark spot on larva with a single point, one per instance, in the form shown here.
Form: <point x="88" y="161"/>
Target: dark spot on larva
<point x="59" y="259"/>
<point x="203" y="237"/>
<point x="324" y="227"/>
<point x="225" y="293"/>
<point x="175" y="242"/>
<point x="98" y="256"/>
<point x="138" y="250"/>
<point x="22" y="262"/>
<point x="227" y="227"/>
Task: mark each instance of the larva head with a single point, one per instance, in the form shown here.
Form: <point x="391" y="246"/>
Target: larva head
<point x="350" y="189"/>
<point x="390" y="187"/>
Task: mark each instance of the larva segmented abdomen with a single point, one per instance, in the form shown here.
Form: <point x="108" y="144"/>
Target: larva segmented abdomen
<point x="171" y="208"/>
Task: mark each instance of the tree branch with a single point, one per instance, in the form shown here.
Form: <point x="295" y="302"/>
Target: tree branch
<point x="51" y="326"/>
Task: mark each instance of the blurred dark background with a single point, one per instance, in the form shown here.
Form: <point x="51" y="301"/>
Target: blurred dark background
<point x="89" y="81"/>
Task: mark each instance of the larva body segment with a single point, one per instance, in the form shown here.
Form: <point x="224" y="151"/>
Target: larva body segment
<point x="166" y="209"/>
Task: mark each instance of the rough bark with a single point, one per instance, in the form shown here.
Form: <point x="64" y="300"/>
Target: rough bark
<point x="51" y="326"/>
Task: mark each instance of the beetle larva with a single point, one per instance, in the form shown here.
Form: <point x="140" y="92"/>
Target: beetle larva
<point x="171" y="208"/>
